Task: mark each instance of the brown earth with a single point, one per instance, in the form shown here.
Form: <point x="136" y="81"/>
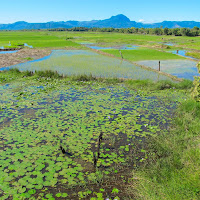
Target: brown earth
<point x="22" y="56"/>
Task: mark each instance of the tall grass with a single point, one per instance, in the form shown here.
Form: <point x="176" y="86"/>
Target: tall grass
<point x="159" y="85"/>
<point x="83" y="77"/>
<point x="48" y="74"/>
<point x="193" y="54"/>
<point x="173" y="169"/>
<point x="135" y="84"/>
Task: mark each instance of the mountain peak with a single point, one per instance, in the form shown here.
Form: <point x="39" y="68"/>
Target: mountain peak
<point x="21" y="22"/>
<point x="120" y="17"/>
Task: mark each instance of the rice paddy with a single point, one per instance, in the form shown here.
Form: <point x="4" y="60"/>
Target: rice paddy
<point x="180" y="68"/>
<point x="76" y="62"/>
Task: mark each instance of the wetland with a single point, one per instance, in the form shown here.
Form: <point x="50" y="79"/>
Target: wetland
<point x="80" y="118"/>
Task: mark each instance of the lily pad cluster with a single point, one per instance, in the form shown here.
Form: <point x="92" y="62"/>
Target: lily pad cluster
<point x="38" y="116"/>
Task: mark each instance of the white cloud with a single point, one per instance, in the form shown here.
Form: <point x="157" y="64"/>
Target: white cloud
<point x="147" y="22"/>
<point x="141" y="20"/>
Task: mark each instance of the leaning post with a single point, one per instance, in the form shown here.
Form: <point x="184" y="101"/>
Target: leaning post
<point x="121" y="54"/>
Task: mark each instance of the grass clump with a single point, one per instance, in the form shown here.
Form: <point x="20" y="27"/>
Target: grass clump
<point x="48" y="74"/>
<point x="196" y="90"/>
<point x="10" y="75"/>
<point x="159" y="85"/>
<point x="193" y="54"/>
<point x="15" y="74"/>
<point x="165" y="84"/>
<point x="83" y="77"/>
<point x="28" y="58"/>
<point x="173" y="166"/>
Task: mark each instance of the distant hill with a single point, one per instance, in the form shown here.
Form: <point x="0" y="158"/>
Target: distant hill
<point x="118" y="21"/>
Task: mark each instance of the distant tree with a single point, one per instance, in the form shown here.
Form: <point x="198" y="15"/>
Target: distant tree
<point x="195" y="31"/>
<point x="196" y="28"/>
<point x="166" y="31"/>
<point x="158" y="31"/>
<point x="176" y="32"/>
<point x="142" y="30"/>
<point x="185" y="32"/>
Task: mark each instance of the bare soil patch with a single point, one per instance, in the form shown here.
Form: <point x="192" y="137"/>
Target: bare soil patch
<point x="22" y="56"/>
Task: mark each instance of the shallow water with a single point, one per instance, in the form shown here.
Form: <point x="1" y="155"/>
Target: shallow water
<point x="70" y="62"/>
<point x="167" y="44"/>
<point x="5" y="52"/>
<point x="182" y="53"/>
<point x="26" y="45"/>
<point x="121" y="47"/>
<point x="181" y="68"/>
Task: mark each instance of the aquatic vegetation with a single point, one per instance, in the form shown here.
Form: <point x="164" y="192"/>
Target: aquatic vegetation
<point x="40" y="114"/>
<point x="174" y="162"/>
<point x="79" y="62"/>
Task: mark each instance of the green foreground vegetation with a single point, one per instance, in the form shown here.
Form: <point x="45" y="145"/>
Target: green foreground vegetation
<point x="172" y="171"/>
<point x="45" y="110"/>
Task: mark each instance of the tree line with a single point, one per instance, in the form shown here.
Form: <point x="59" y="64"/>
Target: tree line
<point x="151" y="31"/>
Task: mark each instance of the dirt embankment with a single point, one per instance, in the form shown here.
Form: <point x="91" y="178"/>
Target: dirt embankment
<point x="21" y="56"/>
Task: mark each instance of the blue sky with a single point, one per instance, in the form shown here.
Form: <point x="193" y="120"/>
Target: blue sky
<point x="147" y="11"/>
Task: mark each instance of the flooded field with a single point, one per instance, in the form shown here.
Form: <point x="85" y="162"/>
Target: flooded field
<point x="70" y="62"/>
<point x="181" y="68"/>
<point x="182" y="53"/>
<point x="38" y="116"/>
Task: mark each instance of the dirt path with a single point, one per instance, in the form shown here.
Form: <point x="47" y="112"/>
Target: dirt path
<point x="22" y="56"/>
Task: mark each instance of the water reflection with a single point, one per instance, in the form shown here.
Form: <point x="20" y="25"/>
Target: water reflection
<point x="121" y="47"/>
<point x="181" y="68"/>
